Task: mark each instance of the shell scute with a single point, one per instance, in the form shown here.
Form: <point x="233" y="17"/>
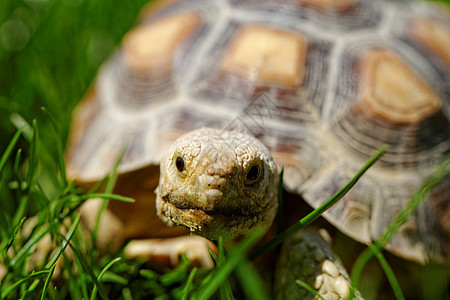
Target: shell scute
<point x="152" y="45"/>
<point x="261" y="53"/>
<point x="236" y="74"/>
<point x="391" y="104"/>
<point x="432" y="35"/>
<point x="387" y="77"/>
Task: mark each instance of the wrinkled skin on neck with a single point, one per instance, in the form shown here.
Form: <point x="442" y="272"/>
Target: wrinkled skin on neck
<point x="218" y="183"/>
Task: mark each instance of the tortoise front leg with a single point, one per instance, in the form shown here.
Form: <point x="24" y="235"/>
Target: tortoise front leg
<point x="167" y="252"/>
<point x="307" y="257"/>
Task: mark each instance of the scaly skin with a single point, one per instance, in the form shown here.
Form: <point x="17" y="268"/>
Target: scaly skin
<point x="212" y="192"/>
<point x="307" y="257"/>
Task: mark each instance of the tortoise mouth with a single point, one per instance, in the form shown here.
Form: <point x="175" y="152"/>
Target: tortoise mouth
<point x="194" y="213"/>
<point x="227" y="224"/>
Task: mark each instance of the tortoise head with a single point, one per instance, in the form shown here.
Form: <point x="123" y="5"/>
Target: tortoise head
<point x="218" y="183"/>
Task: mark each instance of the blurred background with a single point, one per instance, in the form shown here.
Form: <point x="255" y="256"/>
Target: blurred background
<point x="50" y="51"/>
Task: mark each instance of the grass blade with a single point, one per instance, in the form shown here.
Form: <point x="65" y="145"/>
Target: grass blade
<point x="47" y="282"/>
<point x="106" y="268"/>
<point x="59" y="148"/>
<point x="21" y="209"/>
<point x="9" y="149"/>
<point x="27" y="247"/>
<point x="280" y="210"/>
<point x="17" y="162"/>
<point x="22" y="281"/>
<point x="65" y="242"/>
<point x="207" y="289"/>
<point x="317" y="212"/>
<point x="177" y="274"/>
<point x="126" y="294"/>
<point x="14" y="235"/>
<point x="388" y="271"/>
<point x="108" y="189"/>
<point x="251" y="281"/>
<point x="106" y="196"/>
<point x="225" y="291"/>
<point x="308" y="288"/>
<point x="188" y="286"/>
<point x="90" y="273"/>
<point x="81" y="199"/>
<point x="79" y="278"/>
<point x="33" y="164"/>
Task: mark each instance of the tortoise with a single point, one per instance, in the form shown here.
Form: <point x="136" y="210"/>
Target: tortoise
<point x="216" y="97"/>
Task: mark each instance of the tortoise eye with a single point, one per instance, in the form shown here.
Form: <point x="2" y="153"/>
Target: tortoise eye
<point x="253" y="174"/>
<point x="179" y="163"/>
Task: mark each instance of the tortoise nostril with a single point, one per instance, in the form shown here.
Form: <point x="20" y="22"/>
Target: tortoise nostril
<point x="213" y="182"/>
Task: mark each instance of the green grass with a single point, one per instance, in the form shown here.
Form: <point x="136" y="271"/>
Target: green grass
<point x="50" y="52"/>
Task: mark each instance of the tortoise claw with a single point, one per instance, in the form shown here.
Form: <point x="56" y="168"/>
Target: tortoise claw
<point x="167" y="252"/>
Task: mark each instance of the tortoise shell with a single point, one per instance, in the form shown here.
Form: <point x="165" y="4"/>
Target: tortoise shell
<point x="323" y="84"/>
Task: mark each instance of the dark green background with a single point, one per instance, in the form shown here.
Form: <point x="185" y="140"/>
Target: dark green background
<point x="50" y="51"/>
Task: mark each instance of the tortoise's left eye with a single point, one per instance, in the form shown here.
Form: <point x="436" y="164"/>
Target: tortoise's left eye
<point x="253" y="174"/>
<point x="179" y="163"/>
